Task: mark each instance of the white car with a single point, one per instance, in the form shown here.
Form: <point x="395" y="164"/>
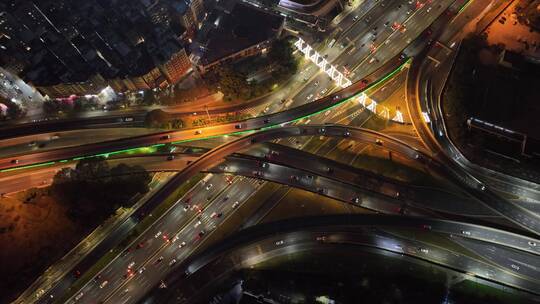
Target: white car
<point x="79" y="296"/>
<point x="197" y="224"/>
<point x="309" y="96"/>
<point x="175" y="239"/>
<point x="103" y="284"/>
<point x="157" y="234"/>
<point x="182" y="245"/>
<point x="465" y="232"/>
<point x="235" y="204"/>
<point x="209" y="186"/>
<point x="280" y="242"/>
<point x="172" y="262"/>
<point x="131" y="264"/>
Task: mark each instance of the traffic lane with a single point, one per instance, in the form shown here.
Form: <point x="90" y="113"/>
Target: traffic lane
<point x="356" y="189"/>
<point x="138" y="287"/>
<point x="169" y="187"/>
<point x="333" y="188"/>
<point x="516" y="262"/>
<point x="193" y="134"/>
<point x="468" y="183"/>
<point x="43" y="177"/>
<point x="252" y="253"/>
<point x="118" y="267"/>
<point x="432" y="198"/>
<point x="309" y="92"/>
<point x="392" y="42"/>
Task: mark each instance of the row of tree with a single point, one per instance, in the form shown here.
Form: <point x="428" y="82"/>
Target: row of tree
<point x="232" y="81"/>
<point x="93" y="188"/>
<point x="162" y="120"/>
<point x="12" y="110"/>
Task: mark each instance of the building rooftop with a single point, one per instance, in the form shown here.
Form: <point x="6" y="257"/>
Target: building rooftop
<point x="243" y="27"/>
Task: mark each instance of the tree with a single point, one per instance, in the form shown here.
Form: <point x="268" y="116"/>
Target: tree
<point x="92" y="188"/>
<point x="156" y="118"/>
<point x="149" y="98"/>
<point x="14" y="110"/>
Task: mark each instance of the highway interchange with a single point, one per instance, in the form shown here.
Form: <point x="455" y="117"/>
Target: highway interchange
<point x="199" y="212"/>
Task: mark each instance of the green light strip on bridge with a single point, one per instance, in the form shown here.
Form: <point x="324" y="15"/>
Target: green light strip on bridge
<point x="464" y="6"/>
<point x="391" y="74"/>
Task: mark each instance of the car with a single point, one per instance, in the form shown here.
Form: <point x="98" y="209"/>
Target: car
<point x="465" y="232"/>
<point x="316" y="83"/>
<point x="216" y="215"/>
<point x="324" y="91"/>
<point x="531" y="243"/>
<point x="378" y="142"/>
<point x="157" y="234"/>
<point x="235" y="204"/>
<point x="186" y="207"/>
<point x="426" y="227"/>
<point x="170" y="157"/>
<point x="280" y="242"/>
<point x="103" y="284"/>
<point x="329" y="170"/>
<point x="198" y="132"/>
<point x="309" y="96"/>
<point x="32" y="143"/>
<point x="197" y="224"/>
<point x="209" y="186"/>
<point x="131" y="264"/>
<point x="14" y="161"/>
<point x="175" y="238"/>
<point x="266" y="121"/>
<point x="172" y="262"/>
<point x="140" y="245"/>
<point x="321" y="238"/>
<point x="165" y="137"/>
<point x="356" y="200"/>
<point x="77" y="273"/>
<point x="55" y="136"/>
<point x="159" y="260"/>
<point x="201" y="234"/>
<point x="428" y="9"/>
<point x="356" y="18"/>
<point x="182" y="245"/>
<point x="226" y="198"/>
<point x="129" y="273"/>
<point x="327" y="113"/>
<point x="79" y="296"/>
<point x="141" y="270"/>
<point x="238" y="126"/>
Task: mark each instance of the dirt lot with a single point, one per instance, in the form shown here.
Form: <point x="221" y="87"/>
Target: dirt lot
<point x="32" y="236"/>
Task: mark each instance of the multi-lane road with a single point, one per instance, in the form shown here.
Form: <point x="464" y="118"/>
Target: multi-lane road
<point x="258" y="244"/>
<point x="370" y="49"/>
